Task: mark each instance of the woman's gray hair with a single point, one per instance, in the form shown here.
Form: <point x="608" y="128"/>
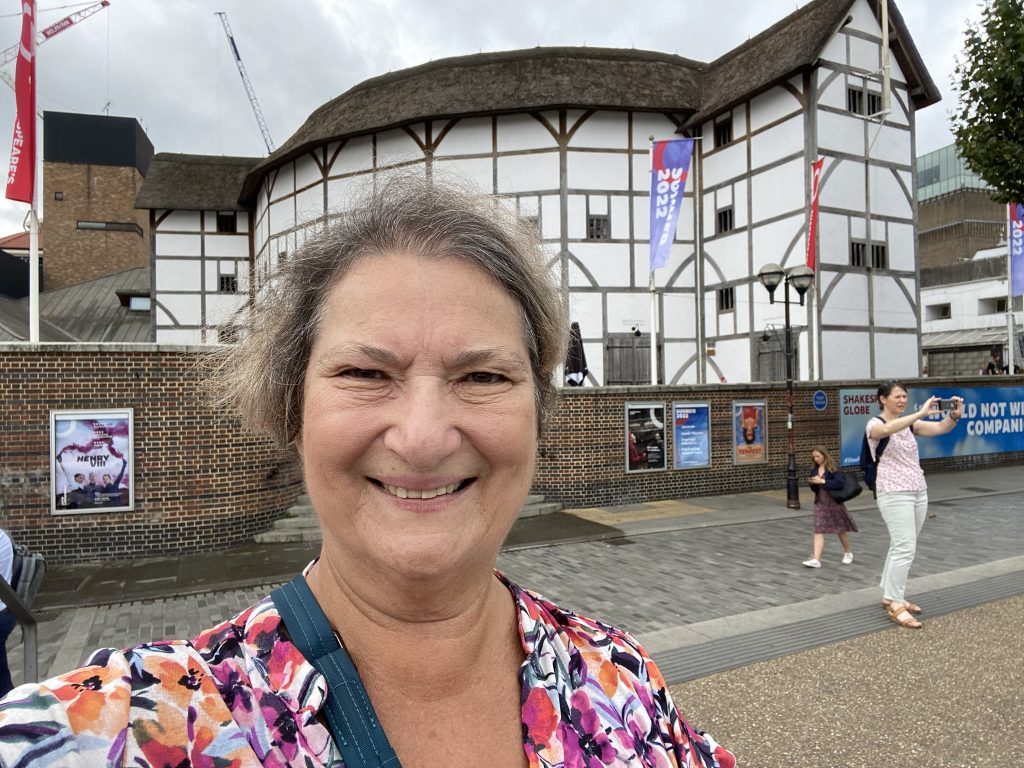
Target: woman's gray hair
<point x="261" y="378"/>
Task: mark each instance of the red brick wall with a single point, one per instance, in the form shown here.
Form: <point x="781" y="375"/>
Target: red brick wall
<point x="200" y="482"/>
<point x="582" y="454"/>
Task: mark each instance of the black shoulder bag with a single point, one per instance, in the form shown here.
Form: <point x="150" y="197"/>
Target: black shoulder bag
<point x="350" y="716"/>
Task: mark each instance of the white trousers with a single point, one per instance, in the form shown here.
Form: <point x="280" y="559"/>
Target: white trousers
<point x="904" y="513"/>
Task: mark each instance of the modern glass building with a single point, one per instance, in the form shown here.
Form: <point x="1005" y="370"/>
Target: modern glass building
<point x="944" y="171"/>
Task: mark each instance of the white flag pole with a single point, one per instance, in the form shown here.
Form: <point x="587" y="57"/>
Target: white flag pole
<point x="1009" y="290"/>
<point x="33" y="276"/>
<point x="654" y="295"/>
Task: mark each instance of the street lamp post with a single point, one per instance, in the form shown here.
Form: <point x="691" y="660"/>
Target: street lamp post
<point x="801" y="277"/>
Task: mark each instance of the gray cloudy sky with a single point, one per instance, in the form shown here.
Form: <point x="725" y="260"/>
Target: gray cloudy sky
<point x="168" y="63"/>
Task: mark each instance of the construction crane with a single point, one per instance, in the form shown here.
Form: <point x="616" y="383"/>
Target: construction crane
<point x="10" y="54"/>
<point x="248" y="86"/>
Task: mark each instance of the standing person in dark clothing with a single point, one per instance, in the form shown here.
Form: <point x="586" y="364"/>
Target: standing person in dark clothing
<point x="830" y="516"/>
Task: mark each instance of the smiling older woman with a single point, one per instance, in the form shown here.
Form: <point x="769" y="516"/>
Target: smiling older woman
<point x="407" y="355"/>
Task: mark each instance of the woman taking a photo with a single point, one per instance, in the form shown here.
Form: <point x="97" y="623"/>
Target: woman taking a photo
<point x="830" y="516"/>
<point x="901" y="487"/>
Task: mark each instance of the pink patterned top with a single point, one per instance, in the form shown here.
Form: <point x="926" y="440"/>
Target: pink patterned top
<point x="240" y="695"/>
<point x="899" y="469"/>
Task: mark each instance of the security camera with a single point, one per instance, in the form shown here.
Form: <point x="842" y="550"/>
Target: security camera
<point x="636" y="330"/>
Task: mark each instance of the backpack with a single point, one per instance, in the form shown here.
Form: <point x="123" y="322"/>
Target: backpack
<point x="27" y="570"/>
<point x="869" y="463"/>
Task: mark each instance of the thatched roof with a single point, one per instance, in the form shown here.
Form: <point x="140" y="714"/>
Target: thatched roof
<point x="194" y="182"/>
<point x="794" y="45"/>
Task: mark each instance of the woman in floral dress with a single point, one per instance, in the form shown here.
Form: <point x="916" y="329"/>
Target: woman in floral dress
<point x="830" y="516"/>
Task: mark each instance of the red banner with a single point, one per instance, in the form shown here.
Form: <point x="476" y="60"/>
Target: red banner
<point x="21" y="174"/>
<point x="812" y="226"/>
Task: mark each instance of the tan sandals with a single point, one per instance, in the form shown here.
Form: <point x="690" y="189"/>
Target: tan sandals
<point x="902" y="614"/>
<point x="909" y="606"/>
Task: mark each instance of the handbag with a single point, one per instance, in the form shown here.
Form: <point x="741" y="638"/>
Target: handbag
<point x="357" y="731"/>
<point x="851" y="488"/>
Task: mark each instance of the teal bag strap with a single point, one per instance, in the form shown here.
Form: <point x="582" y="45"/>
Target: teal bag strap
<point x="353" y="723"/>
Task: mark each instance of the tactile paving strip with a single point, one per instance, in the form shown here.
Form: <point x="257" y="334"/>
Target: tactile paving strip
<point x="701" y="660"/>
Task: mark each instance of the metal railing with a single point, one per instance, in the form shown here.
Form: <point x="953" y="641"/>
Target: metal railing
<point x="29" y="634"/>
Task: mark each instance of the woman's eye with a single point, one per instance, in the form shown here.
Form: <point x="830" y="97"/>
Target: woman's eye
<point x="366" y="374"/>
<point x="483" y="377"/>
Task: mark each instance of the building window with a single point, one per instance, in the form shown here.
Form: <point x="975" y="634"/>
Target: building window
<point x="58" y="196"/>
<point x="858" y="253"/>
<point x="139" y="303"/>
<point x="227" y="334"/>
<point x="874" y="103"/>
<point x="227" y="284"/>
<point x="879" y="256"/>
<point x="227" y="222"/>
<point x="938" y="312"/>
<point x="726" y="299"/>
<point x="992" y="306"/>
<point x="110" y="226"/>
<point x="726" y="221"/>
<point x="855" y="101"/>
<point x="599" y="227"/>
<point x="723" y="131"/>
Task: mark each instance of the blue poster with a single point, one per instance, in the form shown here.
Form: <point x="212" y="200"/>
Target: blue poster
<point x="692" y="435"/>
<point x="993" y="421"/>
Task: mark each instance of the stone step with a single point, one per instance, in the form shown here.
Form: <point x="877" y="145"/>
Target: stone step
<point x="533" y="498"/>
<point x="293" y="523"/>
<point x="303" y="500"/>
<point x="283" y="537"/>
<point x="300" y="510"/>
<point x="542" y="508"/>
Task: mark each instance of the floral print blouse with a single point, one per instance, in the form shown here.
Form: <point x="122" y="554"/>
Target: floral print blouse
<point x="240" y="695"/>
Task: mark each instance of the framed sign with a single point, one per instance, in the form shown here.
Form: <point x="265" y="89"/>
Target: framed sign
<point x="749" y="432"/>
<point x="645" y="437"/>
<point x="691" y="435"/>
<point x="91" y="461"/>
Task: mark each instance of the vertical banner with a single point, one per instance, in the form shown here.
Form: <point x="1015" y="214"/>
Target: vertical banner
<point x="749" y="436"/>
<point x="575" y="358"/>
<point x="670" y="165"/>
<point x="691" y="435"/>
<point x="21" y="173"/>
<point x="1017" y="249"/>
<point x="812" y="225"/>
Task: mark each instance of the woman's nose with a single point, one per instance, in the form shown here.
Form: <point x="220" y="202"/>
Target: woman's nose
<point x="423" y="430"/>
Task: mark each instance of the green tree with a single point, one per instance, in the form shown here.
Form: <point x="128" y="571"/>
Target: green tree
<point x="988" y="121"/>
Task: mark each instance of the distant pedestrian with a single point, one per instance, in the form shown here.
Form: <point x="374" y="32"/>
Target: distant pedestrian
<point x="901" y="488"/>
<point x="7" y="620"/>
<point x="830" y="516"/>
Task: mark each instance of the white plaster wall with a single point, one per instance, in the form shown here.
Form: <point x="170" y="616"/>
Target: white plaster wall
<point x="176" y="245"/>
<point x="833" y="239"/>
<point x="179" y="336"/>
<point x="778" y="190"/>
<point x="771" y="243"/>
<point x="777" y="142"/>
<point x="901" y="246"/>
<point x="892" y="144"/>
<point x="729" y="252"/>
<point x="770" y="106"/>
<point x="627" y="309"/>
<point x="834" y="50"/>
<point x="865" y="54"/>
<point x="603" y="130"/>
<point x="178" y="274"/>
<point x="847" y="304"/>
<point x="469" y="136"/>
<point x="309" y="203"/>
<point x="597" y="170"/>
<point x="586" y="308"/>
<point x="845" y="355"/>
<point x="220" y="307"/>
<point x="607" y="262"/>
<point x="863" y="18"/>
<point x="179" y="221"/>
<point x="888" y="195"/>
<point x="840" y="133"/>
<point x="476" y="171"/>
<point x="284" y="182"/>
<point x="307" y="171"/>
<point x="397" y="147"/>
<point x="619" y="212"/>
<point x="733" y="358"/>
<point x="739" y="122"/>
<point x="184" y="308"/>
<point x="576" y="210"/>
<point x="892" y="307"/>
<point x="844" y="187"/>
<point x="896" y="355"/>
<point x="680" y="362"/>
<point x="356" y="156"/>
<point x="524" y="172"/>
<point x="680" y="313"/>
<point x="550" y="215"/>
<point x="646" y="124"/>
<point x="524" y="132"/>
<point x="234" y="246"/>
<point x="724" y="164"/>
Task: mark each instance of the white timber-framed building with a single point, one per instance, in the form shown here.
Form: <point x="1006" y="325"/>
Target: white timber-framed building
<point x="563" y="134"/>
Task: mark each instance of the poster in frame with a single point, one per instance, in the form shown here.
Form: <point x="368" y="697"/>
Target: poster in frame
<point x="749" y="432"/>
<point x="645" y="437"/>
<point x="92" y="461"/>
<point x="691" y="435"/>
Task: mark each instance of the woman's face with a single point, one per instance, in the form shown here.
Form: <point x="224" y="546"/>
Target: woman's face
<point x="817" y="458"/>
<point x="419" y="422"/>
<point x="896" y="402"/>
